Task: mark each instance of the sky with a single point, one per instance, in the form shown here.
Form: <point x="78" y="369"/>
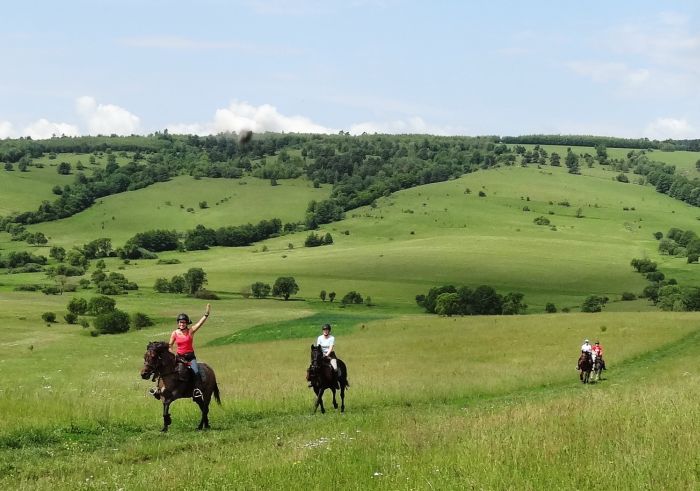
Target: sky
<point x="613" y="68"/>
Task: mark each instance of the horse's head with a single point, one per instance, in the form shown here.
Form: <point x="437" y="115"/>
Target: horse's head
<point x="316" y="355"/>
<point x="153" y="358"/>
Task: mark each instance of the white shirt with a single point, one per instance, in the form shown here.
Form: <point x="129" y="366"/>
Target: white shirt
<point x="586" y="347"/>
<point x="325" y="343"/>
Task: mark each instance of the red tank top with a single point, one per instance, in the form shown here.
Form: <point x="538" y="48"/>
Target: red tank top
<point x="184" y="342"/>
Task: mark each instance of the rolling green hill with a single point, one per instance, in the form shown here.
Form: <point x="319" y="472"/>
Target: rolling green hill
<point x="486" y="402"/>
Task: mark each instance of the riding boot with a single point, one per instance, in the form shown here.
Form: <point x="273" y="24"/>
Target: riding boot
<point x="197" y="393"/>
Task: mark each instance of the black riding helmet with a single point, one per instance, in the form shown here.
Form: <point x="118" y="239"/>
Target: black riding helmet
<point x="184" y="317"/>
<point x="326" y="326"/>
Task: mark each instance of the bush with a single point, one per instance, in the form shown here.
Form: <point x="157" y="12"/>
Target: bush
<point x="593" y="303"/>
<point x="84" y="323"/>
<point x="101" y="305"/>
<point x="51" y="290"/>
<point x="70" y="318"/>
<point x="78" y="306"/>
<point x="205" y="295"/>
<point x="114" y="322"/>
<point x="260" y="289"/>
<point x="48" y="317"/>
<point x="27" y="288"/>
<point x="352" y="297"/>
<point x="550" y="308"/>
<point x="627" y="296"/>
<point x="540" y="220"/>
<point x="140" y="320"/>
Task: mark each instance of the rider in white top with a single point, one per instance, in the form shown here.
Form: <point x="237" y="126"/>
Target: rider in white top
<point x="327" y="344"/>
<point x="586" y="347"/>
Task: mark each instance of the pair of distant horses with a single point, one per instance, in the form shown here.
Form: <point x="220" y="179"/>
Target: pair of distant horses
<point x="590" y="370"/>
<point x="176" y="381"/>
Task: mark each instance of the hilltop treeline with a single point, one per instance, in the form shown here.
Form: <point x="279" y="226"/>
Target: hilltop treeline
<point x="608" y="141"/>
<point x="360" y="169"/>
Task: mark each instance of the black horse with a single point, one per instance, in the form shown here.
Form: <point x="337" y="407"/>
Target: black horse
<point x="585" y="365"/>
<point x="176" y="381"/>
<point x="322" y="376"/>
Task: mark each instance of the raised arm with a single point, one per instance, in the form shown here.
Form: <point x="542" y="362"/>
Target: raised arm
<point x="201" y="321"/>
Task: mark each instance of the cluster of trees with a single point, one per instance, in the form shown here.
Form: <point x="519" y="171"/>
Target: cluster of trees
<point x="191" y="282"/>
<point x="664" y="292"/>
<point x="484" y="300"/>
<point x="284" y="287"/>
<point x="315" y="240"/>
<point x="680" y="243"/>
<point x="23" y="262"/>
<point x="107" y="319"/>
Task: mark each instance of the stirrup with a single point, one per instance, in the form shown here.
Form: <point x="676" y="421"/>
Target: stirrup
<point x="197" y="394"/>
<point x="154" y="392"/>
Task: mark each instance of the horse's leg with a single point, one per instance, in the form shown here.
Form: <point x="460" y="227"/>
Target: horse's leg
<point x="335" y="403"/>
<point x="319" y="401"/>
<point x="167" y="420"/>
<point x="342" y="397"/>
<point x="204" y="408"/>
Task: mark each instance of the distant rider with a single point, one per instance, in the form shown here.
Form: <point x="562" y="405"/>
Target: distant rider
<point x="597" y="350"/>
<point x="585" y="348"/>
<point x="183" y="337"/>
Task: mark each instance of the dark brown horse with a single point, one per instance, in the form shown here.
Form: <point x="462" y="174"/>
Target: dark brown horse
<point x="322" y="377"/>
<point x="176" y="381"/>
<point x="585" y="365"/>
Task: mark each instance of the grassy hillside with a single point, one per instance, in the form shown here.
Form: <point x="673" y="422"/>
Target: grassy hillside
<point x="24" y="191"/>
<point x="165" y="206"/>
<point x="488" y="402"/>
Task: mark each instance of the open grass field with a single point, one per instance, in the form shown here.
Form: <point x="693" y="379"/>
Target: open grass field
<point x="435" y="403"/>
<point x="486" y="403"/>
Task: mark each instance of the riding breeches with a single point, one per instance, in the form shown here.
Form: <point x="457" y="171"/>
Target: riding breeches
<point x="334" y="364"/>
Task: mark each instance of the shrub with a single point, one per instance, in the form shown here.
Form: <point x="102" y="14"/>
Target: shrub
<point x="140" y="320"/>
<point x="77" y="306"/>
<point x="168" y="261"/>
<point x="352" y="297"/>
<point x="550" y="308"/>
<point x="627" y="296"/>
<point x="101" y="305"/>
<point x="114" y="322"/>
<point x="27" y="288"/>
<point x="70" y="318"/>
<point x="205" y="295"/>
<point x="84" y="323"/>
<point x="540" y="220"/>
<point x="593" y="303"/>
<point x="48" y="317"/>
<point x="51" y="290"/>
<point x="260" y="289"/>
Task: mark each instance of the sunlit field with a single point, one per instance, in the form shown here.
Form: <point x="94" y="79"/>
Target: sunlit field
<point x="424" y="413"/>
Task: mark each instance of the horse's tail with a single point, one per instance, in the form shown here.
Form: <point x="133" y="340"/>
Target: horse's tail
<point x="344" y="370"/>
<point x="216" y="394"/>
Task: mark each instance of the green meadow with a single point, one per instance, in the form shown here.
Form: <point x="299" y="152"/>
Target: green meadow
<point x="483" y="402"/>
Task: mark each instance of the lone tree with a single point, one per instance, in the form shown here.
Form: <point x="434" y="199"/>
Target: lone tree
<point x="195" y="279"/>
<point x="284" y="287"/>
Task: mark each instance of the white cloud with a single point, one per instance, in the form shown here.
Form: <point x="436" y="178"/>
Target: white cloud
<point x="411" y="125"/>
<point x="244" y="116"/>
<point x="664" y="128"/>
<point x="106" y="119"/>
<point x="43" y="129"/>
<point x="6" y="129"/>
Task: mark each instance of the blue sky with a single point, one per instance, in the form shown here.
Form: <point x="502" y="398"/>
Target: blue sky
<point x="618" y="68"/>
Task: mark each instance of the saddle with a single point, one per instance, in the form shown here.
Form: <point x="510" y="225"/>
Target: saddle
<point x="183" y="370"/>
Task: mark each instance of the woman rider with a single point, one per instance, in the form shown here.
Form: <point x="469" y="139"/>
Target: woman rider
<point x="183" y="339"/>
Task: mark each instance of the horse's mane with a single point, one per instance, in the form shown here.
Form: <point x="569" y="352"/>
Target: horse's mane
<point x="158" y="346"/>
